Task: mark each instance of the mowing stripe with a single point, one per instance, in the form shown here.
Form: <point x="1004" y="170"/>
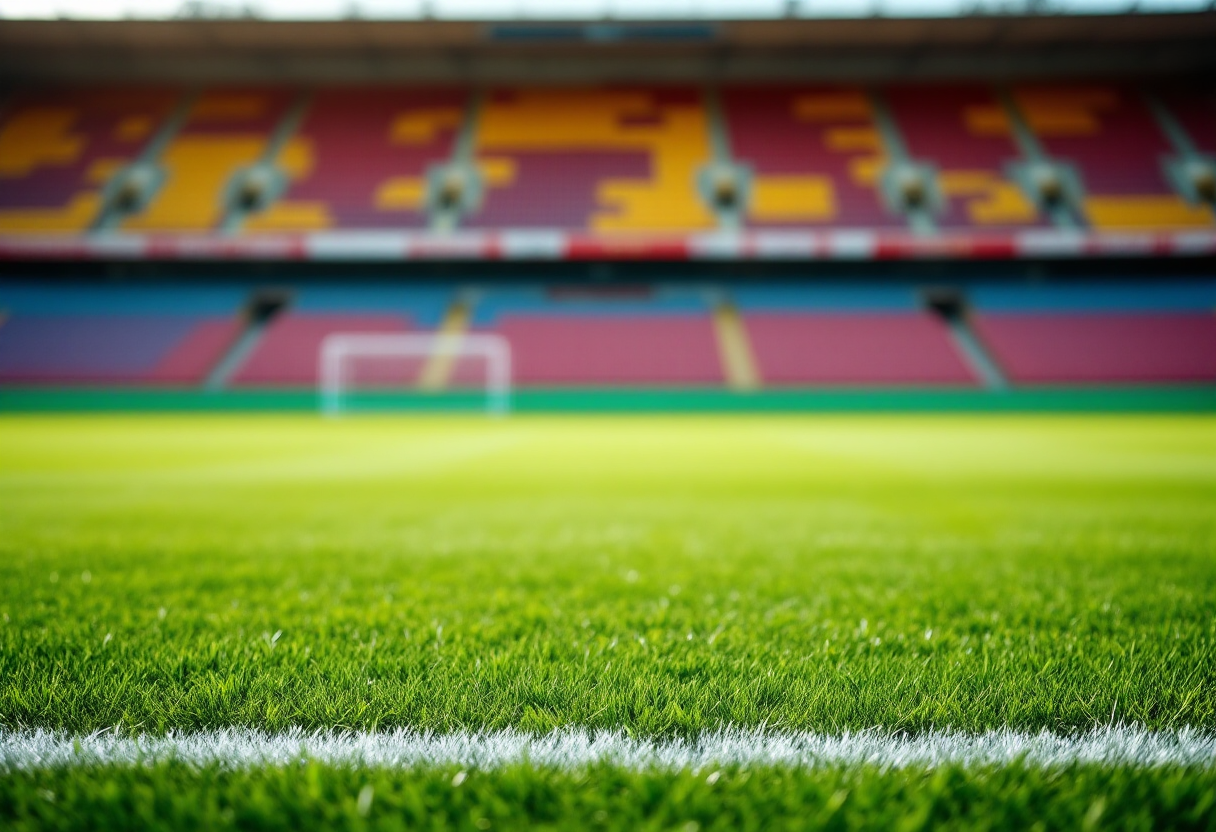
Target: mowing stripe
<point x="571" y="748"/>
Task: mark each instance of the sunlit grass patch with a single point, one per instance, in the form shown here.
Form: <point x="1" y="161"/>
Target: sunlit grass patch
<point x="661" y="576"/>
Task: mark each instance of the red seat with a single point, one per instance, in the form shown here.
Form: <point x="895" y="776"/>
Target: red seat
<point x="288" y="351"/>
<point x="359" y="159"/>
<point x="227" y="129"/>
<point x="1110" y="135"/>
<point x="1125" y="348"/>
<point x="619" y="159"/>
<point x="854" y="349"/>
<point x="612" y="350"/>
<point x="58" y="148"/>
<point x="198" y="353"/>
<point x="964" y="130"/>
<point x="815" y="153"/>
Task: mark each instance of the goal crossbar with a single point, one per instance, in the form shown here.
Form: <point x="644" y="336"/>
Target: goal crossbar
<point x="340" y="349"/>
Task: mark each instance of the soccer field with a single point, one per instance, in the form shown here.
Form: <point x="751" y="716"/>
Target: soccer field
<point x="644" y="622"/>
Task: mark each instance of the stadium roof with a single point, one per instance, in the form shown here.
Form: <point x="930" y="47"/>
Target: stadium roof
<point x="518" y="51"/>
<point x="584" y="10"/>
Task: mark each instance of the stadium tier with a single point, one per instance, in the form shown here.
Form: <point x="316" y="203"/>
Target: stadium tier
<point x="966" y="133"/>
<point x="639" y="336"/>
<point x="1109" y="134"/>
<point x="59" y="149"/>
<point x="814" y="156"/>
<point x="359" y="159"/>
<point x="917" y="161"/>
<point x="833" y="336"/>
<point x="596" y="160"/>
<point x="221" y="133"/>
<point x="284" y="351"/>
<point x="1054" y="335"/>
<point x="738" y="336"/>
<point x="94" y="335"/>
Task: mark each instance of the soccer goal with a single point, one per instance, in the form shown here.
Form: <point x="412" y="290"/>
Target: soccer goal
<point x="389" y="371"/>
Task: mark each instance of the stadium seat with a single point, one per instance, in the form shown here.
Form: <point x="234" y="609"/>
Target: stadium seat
<point x="360" y="158"/>
<point x="225" y="130"/>
<point x="796" y="334"/>
<point x="1139" y="333"/>
<point x="111" y="349"/>
<point x="587" y="338"/>
<point x="59" y="148"/>
<point x="287" y="354"/>
<point x="815" y="154"/>
<point x="288" y="350"/>
<point x="94" y="334"/>
<point x="855" y="349"/>
<point x="847" y="336"/>
<point x="1103" y="348"/>
<point x="604" y="160"/>
<point x="1109" y="134"/>
<point x="660" y="350"/>
<point x="964" y="131"/>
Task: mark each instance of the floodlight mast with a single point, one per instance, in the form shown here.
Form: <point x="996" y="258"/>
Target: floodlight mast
<point x="338" y="349"/>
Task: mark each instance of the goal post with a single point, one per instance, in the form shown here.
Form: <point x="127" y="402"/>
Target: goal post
<point x="341" y="353"/>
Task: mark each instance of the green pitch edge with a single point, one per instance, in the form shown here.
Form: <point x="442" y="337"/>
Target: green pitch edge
<point x="1089" y="400"/>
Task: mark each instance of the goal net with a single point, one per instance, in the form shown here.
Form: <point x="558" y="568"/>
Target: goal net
<point x="366" y="371"/>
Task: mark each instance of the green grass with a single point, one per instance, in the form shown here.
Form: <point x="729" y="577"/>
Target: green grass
<point x="175" y="797"/>
<point x="662" y="575"/>
<point x="665" y="575"/>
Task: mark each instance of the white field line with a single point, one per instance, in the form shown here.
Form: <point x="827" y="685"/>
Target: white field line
<point x="572" y="748"/>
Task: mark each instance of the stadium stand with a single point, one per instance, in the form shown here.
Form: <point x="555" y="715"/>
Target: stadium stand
<point x="286" y="353"/>
<point x="741" y="335"/>
<point x="1100" y="334"/>
<point x="1108" y="133"/>
<point x="815" y="154"/>
<point x="964" y="131"/>
<point x="647" y="338"/>
<point x="59" y="148"/>
<point x="592" y="159"/>
<point x="573" y="163"/>
<point x="605" y="160"/>
<point x="809" y="335"/>
<point x="169" y="349"/>
<point x="91" y="335"/>
<point x="360" y="159"/>
<point x="224" y="131"/>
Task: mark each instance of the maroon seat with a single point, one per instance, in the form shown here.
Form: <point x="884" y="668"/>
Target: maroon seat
<point x="225" y="130"/>
<point x="854" y="349"/>
<point x="368" y="151"/>
<point x="1099" y="347"/>
<point x="612" y="350"/>
<point x="556" y="190"/>
<point x="61" y="146"/>
<point x="287" y="354"/>
<point x="196" y="354"/>
<point x="791" y="136"/>
<point x="963" y="129"/>
<point x="605" y="159"/>
<point x="111" y="349"/>
<point x="1109" y="134"/>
